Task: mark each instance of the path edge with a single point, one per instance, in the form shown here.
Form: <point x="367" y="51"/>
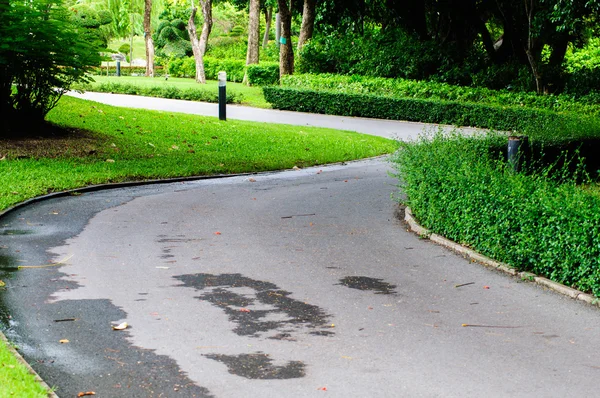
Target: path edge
<point x="474" y="256"/>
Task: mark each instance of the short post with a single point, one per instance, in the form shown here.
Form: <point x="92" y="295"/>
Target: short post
<point x="222" y="95"/>
<point x="517" y="145"/>
<point x="118" y="68"/>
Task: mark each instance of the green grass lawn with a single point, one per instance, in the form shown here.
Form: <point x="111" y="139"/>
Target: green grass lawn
<point x="15" y="379"/>
<point x="252" y="96"/>
<point x="111" y="144"/>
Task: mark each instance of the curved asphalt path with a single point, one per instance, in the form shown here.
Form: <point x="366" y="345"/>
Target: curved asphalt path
<point x="295" y="284"/>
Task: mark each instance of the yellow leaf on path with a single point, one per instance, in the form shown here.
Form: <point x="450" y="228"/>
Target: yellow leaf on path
<point x="2" y="284"/>
<point x="63" y="341"/>
<point x="122" y="326"/>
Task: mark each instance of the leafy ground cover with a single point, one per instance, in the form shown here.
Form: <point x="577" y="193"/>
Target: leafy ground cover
<point x="250" y="96"/>
<point x="96" y="143"/>
<point x="542" y="220"/>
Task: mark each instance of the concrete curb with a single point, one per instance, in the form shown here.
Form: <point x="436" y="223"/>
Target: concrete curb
<point x="505" y="268"/>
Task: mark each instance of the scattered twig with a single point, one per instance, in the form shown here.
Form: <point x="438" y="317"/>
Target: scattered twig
<point x="61" y="262"/>
<point x="300" y="215"/>
<point x="465" y="284"/>
<point x="466" y="325"/>
<point x="65" y="320"/>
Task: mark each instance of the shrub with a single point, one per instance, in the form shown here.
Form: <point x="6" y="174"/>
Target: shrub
<point x="42" y="53"/>
<point x="263" y="74"/>
<point x="541" y="125"/>
<point x="172" y="92"/>
<point x="457" y="187"/>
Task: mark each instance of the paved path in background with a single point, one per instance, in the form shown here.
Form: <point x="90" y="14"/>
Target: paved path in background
<point x="292" y="284"/>
<point x="384" y="128"/>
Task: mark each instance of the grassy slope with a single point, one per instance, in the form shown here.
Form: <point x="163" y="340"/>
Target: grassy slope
<point x="253" y="96"/>
<point x="125" y="144"/>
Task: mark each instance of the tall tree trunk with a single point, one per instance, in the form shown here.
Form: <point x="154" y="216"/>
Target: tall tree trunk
<point x="529" y="49"/>
<point x="308" y="22"/>
<point x="286" y="51"/>
<point x="148" y="38"/>
<point x="199" y="45"/>
<point x="252" y="54"/>
<point x="268" y="19"/>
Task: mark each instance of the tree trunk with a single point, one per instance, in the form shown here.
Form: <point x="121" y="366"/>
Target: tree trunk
<point x="199" y="45"/>
<point x="148" y="38"/>
<point x="308" y="22"/>
<point x="252" y="54"/>
<point x="530" y="48"/>
<point x="268" y="19"/>
<point x="286" y="51"/>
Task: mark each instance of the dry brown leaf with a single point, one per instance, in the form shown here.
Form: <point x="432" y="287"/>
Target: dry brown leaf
<point x="63" y="341"/>
<point x="83" y="394"/>
<point x="121" y="326"/>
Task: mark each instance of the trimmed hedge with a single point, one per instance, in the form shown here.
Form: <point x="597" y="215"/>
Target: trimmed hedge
<point x="263" y="74"/>
<point x="538" y="124"/>
<point x="127" y="71"/>
<point x="458" y="188"/>
<point x="402" y="88"/>
<point x="172" y="92"/>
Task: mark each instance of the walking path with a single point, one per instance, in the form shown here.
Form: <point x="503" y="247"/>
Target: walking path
<point x="298" y="284"/>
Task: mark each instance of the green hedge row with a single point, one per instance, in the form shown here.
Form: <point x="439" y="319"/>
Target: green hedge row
<point x="127" y="71"/>
<point x="456" y="188"/>
<point x="172" y="92"/>
<point x="403" y="88"/>
<point x="540" y="125"/>
<point x="263" y="74"/>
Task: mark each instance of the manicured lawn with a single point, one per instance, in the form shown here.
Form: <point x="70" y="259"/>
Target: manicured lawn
<point x="252" y="96"/>
<point x="110" y="144"/>
<point x="15" y="379"/>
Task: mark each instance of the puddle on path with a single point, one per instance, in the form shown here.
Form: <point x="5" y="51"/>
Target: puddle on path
<point x="258" y="308"/>
<point x="259" y="366"/>
<point x="366" y="283"/>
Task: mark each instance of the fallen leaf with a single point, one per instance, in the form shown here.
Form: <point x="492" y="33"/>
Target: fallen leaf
<point x="217" y="233"/>
<point x="345" y="180"/>
<point x="63" y="341"/>
<point x="110" y="160"/>
<point x="244" y="310"/>
<point x="83" y="394"/>
<point x="486" y="287"/>
<point x="333" y="325"/>
<point x="295" y="168"/>
<point x="122" y="326"/>
<point x="322" y="389"/>
<point x="251" y="179"/>
<point x="2" y="284"/>
<point x="162" y="267"/>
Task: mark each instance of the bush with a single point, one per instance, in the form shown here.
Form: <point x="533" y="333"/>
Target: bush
<point x="540" y="125"/>
<point x="126" y="70"/>
<point x="401" y="88"/>
<point x="186" y="67"/>
<point x="456" y="187"/>
<point x="42" y="53"/>
<point x="172" y="92"/>
<point x="263" y="74"/>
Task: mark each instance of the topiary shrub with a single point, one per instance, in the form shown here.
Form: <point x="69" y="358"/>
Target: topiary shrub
<point x="263" y="74"/>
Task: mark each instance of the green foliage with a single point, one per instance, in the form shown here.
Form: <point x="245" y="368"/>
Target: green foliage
<point x="172" y="92"/>
<point x="15" y="379"/>
<point x="125" y="48"/>
<point x="186" y="67"/>
<point x="400" y="88"/>
<point x="263" y="74"/>
<point x="541" y="125"/>
<point x="460" y="188"/>
<point x="125" y="71"/>
<point x="42" y="53"/>
<point x="171" y="39"/>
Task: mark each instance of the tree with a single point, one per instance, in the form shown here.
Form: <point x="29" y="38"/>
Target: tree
<point x="286" y="50"/>
<point x="199" y="45"/>
<point x="308" y="22"/>
<point x="148" y="38"/>
<point x="252" y="54"/>
<point x="268" y="19"/>
<point x="42" y="52"/>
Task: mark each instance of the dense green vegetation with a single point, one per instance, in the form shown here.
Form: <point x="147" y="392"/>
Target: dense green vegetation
<point x="540" y="221"/>
<point x="116" y="144"/>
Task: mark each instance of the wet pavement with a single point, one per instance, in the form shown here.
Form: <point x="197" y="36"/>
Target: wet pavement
<point x="298" y="284"/>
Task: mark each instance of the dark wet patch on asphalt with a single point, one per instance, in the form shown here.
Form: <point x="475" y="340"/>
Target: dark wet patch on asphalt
<point x="366" y="283"/>
<point x="8" y="263"/>
<point x="259" y="366"/>
<point x="8" y="232"/>
<point x="283" y="314"/>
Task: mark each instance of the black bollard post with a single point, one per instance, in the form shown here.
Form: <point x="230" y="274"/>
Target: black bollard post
<point x="118" y="68"/>
<point x="517" y="145"/>
<point x="222" y="95"/>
